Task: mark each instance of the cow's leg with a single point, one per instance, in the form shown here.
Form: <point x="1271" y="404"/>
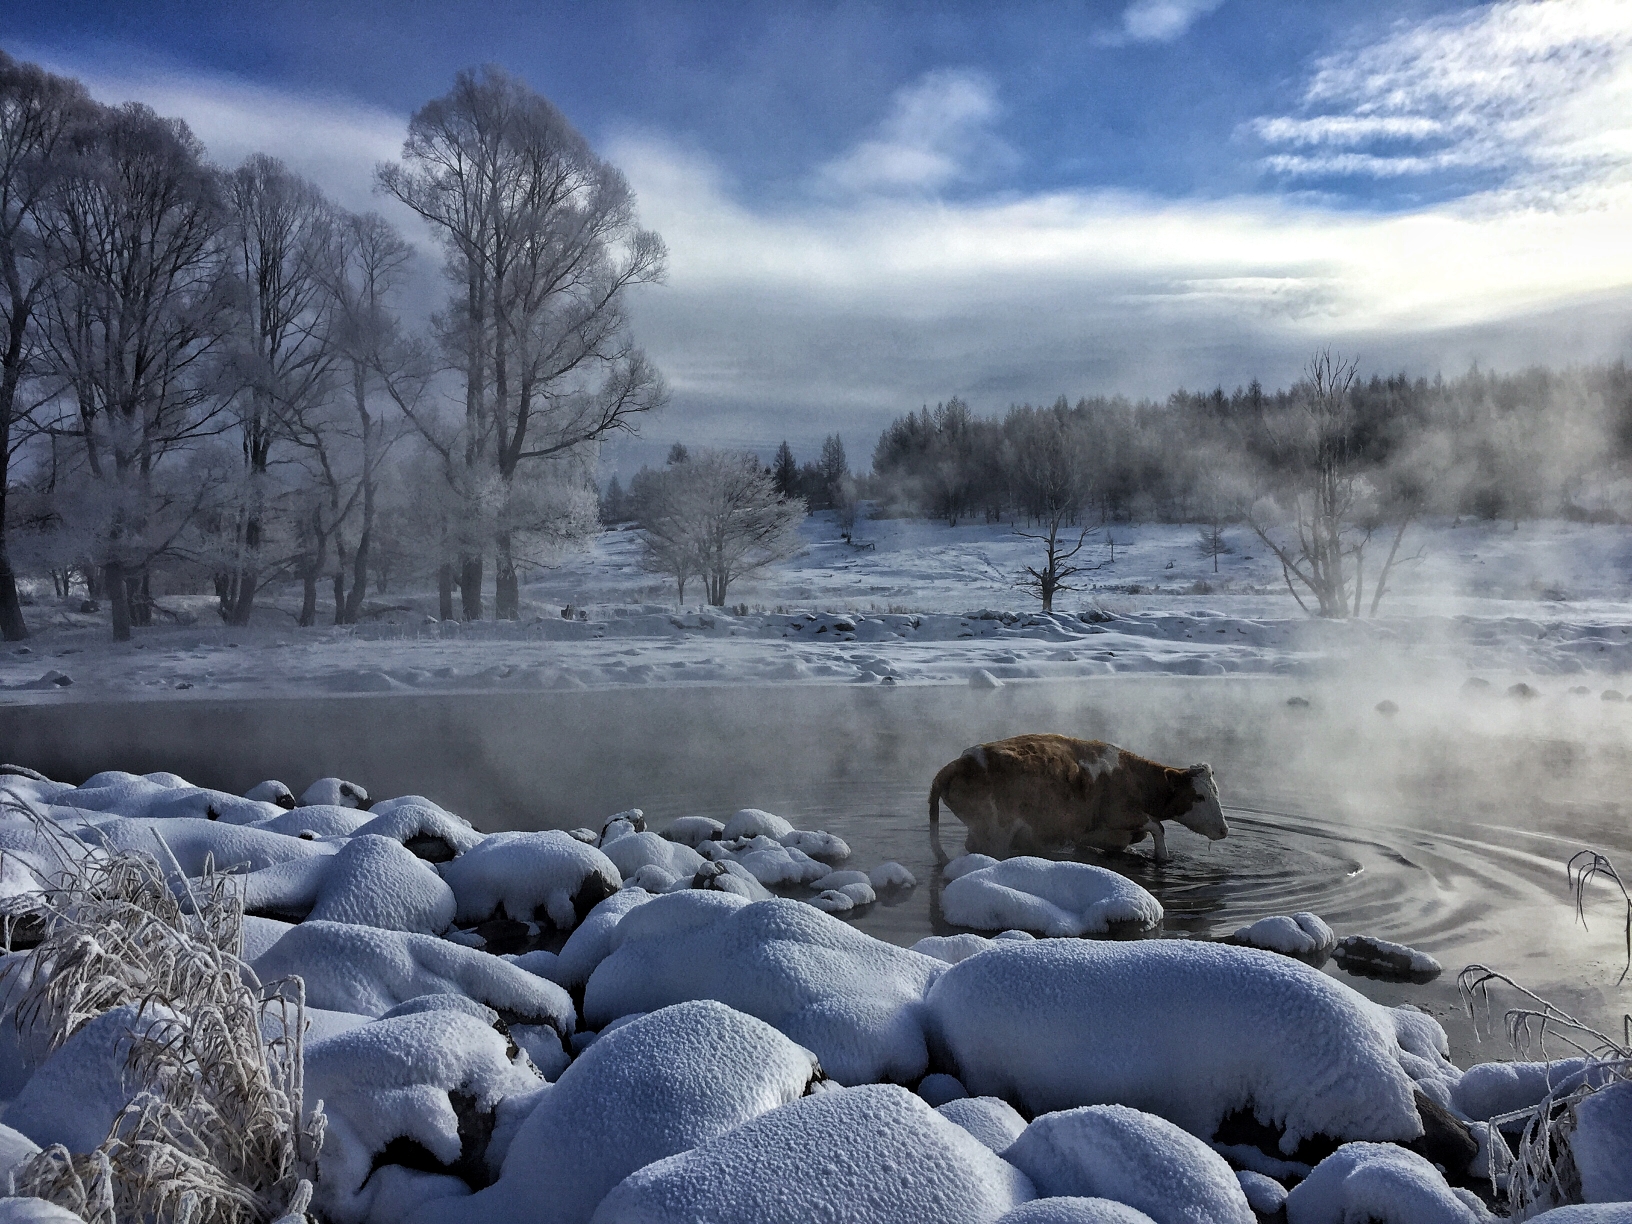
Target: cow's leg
<point x="1154" y="828"/>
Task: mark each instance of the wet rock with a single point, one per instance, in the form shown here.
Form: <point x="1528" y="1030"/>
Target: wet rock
<point x="1613" y="695"/>
<point x="1298" y="703"/>
<point x="1446" y="1139"/>
<point x="1522" y="691"/>
<point x="1370" y="957"/>
<point x="1579" y="690"/>
<point x="1474" y="685"/>
<point x="1387" y="708"/>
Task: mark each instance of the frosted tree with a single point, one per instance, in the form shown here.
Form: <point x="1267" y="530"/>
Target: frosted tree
<point x="543" y="247"/>
<point x="39" y="114"/>
<point x="1047" y="461"/>
<point x="716" y="516"/>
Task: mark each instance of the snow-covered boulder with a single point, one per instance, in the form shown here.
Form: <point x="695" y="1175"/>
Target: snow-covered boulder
<point x="870" y="1155"/>
<point x="35" y="1211"/>
<point x="854" y="1000"/>
<point x="74" y="1095"/>
<point x="994" y="1122"/>
<point x="1588" y="1213"/>
<point x="195" y="842"/>
<point x="753" y="822"/>
<point x="818" y="844"/>
<point x="369" y="971"/>
<point x="1601" y="1143"/>
<point x="1303" y="935"/>
<point x="591" y="941"/>
<point x="549" y="877"/>
<point x="1379" y="1183"/>
<point x="767" y="860"/>
<point x="1050" y="898"/>
<point x="424" y="829"/>
<point x="162" y="796"/>
<point x="370" y="881"/>
<point x="1110" y="1151"/>
<point x="636" y="850"/>
<point x="939" y="1088"/>
<point x="1073" y="1210"/>
<point x="891" y="874"/>
<point x="1368" y="956"/>
<point x="662" y="1084"/>
<point x="965" y="863"/>
<point x="316" y="820"/>
<point x="418" y="1087"/>
<point x="952" y="948"/>
<point x="1264" y="1194"/>
<point x="730" y="876"/>
<point x="1188" y="1031"/>
<point x="336" y="791"/>
<point x="272" y="791"/>
<point x="1485" y="1090"/>
<point x="692" y="831"/>
<point x="16" y="1149"/>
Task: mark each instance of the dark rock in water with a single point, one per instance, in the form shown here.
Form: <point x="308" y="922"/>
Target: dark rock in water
<point x="1387" y="708"/>
<point x="429" y="847"/>
<point x="1298" y="703"/>
<point x="1370" y="957"/>
<point x="1446" y="1139"/>
<point x="1522" y="691"/>
<point x="1579" y="690"/>
<point x="1475" y="684"/>
<point x="1613" y="695"/>
<point x="506" y="936"/>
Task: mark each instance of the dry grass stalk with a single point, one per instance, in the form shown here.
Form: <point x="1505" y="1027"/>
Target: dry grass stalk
<point x="217" y="1132"/>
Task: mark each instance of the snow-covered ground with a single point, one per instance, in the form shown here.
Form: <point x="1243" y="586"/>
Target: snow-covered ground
<point x="911" y="602"/>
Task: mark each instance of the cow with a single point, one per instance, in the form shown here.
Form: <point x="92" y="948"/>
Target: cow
<point x="1052" y="792"/>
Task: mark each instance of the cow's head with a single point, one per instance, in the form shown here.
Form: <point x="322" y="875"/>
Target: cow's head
<point x="1196" y="804"/>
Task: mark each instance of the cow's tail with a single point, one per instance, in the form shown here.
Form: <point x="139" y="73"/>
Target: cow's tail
<point x="938" y="787"/>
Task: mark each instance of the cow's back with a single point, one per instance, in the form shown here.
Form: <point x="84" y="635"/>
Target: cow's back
<point x="1029" y="778"/>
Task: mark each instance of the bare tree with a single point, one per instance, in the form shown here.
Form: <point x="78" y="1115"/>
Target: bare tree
<point x="38" y="115"/>
<point x="543" y="244"/>
<point x="716" y="515"/>
<point x="279" y="354"/>
<point x="135" y="223"/>
<point x="1057" y="567"/>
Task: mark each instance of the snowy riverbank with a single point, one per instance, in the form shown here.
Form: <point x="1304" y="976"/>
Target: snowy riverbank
<point x="617" y="1025"/>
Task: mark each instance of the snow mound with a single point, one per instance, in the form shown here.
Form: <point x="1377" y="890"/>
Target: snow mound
<point x="1188" y="1031"/>
<point x="752" y="822"/>
<point x="1590" y="1213"/>
<point x="404" y="1083"/>
<point x="980" y="678"/>
<point x="35" y="1211"/>
<point x="891" y="874"/>
<point x="940" y="1088"/>
<point x="591" y="942"/>
<point x="884" y="1158"/>
<point x="820" y="845"/>
<point x="693" y="831"/>
<point x="427" y="831"/>
<point x="370" y="971"/>
<point x="1380" y="1183"/>
<point x="336" y="792"/>
<point x="767" y="860"/>
<point x="952" y="948"/>
<point x="1601" y="1143"/>
<point x="74" y="1095"/>
<point x="193" y="842"/>
<point x="853" y="999"/>
<point x="1265" y="1195"/>
<point x="965" y="863"/>
<point x="730" y="876"/>
<point x="660" y="1085"/>
<point x="636" y="850"/>
<point x="994" y="1122"/>
<point x="317" y="820"/>
<point x="1035" y="894"/>
<point x="272" y="791"/>
<point x="1302" y="935"/>
<point x="1069" y="1210"/>
<point x="162" y="796"/>
<point x="549" y="876"/>
<point x="833" y="901"/>
<point x="15" y="1149"/>
<point x="370" y="881"/>
<point x="1487" y="1089"/>
<point x="1110" y="1151"/>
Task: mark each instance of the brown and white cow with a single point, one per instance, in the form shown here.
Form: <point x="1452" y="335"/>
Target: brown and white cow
<point x="1050" y="792"/>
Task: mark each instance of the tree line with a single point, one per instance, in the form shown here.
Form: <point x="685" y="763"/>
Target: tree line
<point x="207" y="374"/>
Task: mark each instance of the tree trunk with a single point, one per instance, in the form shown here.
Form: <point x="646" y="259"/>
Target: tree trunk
<point x="248" y="578"/>
<point x="95" y="587"/>
<point x="308" y="599"/>
<point x="340" y="595"/>
<point x="140" y="590"/>
<point x="506" y="585"/>
<point x="359" y="561"/>
<point x="12" y="625"/>
<point x="444" y="591"/>
<point x="470" y="588"/>
<point x="113" y="577"/>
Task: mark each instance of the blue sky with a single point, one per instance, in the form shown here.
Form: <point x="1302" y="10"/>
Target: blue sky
<point x="870" y="206"/>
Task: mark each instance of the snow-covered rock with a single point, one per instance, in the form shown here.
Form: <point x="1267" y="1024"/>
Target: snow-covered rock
<point x="336" y="791"/>
<point x="1188" y="1031"/>
<point x="272" y="791"/>
<point x="1379" y="1183"/>
<point x="854" y="1000"/>
<point x="1265" y="1195"/>
<point x="370" y="881"/>
<point x="317" y="820"/>
<point x="994" y="1122"/>
<point x="1485" y="1090"/>
<point x="870" y="1155"/>
<point x="162" y="796"/>
<point x="818" y="844"/>
<point x="426" y="830"/>
<point x="965" y="863"/>
<point x="891" y="874"/>
<point x="1588" y="1213"/>
<point x="35" y="1211"/>
<point x="694" y="830"/>
<point x="16" y="1149"/>
<point x="1072" y="1210"/>
<point x="767" y="860"/>
<point x="753" y="822"/>
<point x="195" y="842"/>
<point x="1368" y="956"/>
<point x="549" y="876"/>
<point x="1110" y="1151"/>
<point x="1601" y="1143"/>
<point x="404" y="1082"/>
<point x="1303" y="935"/>
<point x="730" y="876"/>
<point x="74" y="1095"/>
<point x="662" y="1084"/>
<point x="636" y="850"/>
<point x="369" y="971"/>
<point x="939" y="1088"/>
<point x="1050" y="898"/>
<point x="591" y="941"/>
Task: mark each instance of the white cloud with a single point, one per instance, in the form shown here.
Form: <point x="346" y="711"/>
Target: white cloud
<point x="1158" y="20"/>
<point x="938" y="133"/>
<point x="1537" y="93"/>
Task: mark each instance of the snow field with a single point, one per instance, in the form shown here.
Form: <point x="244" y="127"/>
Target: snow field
<point x="691" y="1053"/>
